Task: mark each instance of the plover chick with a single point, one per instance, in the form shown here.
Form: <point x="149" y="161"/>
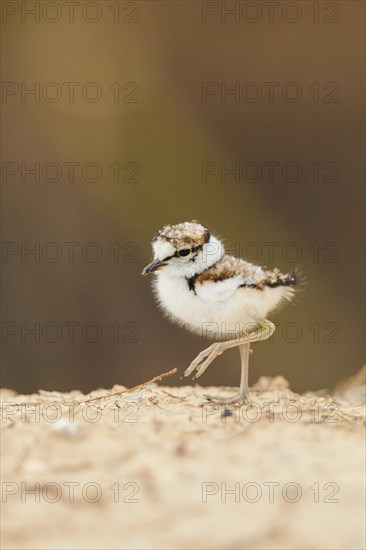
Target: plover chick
<point x="216" y="295"/>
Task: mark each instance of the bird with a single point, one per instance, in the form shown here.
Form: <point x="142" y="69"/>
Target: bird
<point x="223" y="298"/>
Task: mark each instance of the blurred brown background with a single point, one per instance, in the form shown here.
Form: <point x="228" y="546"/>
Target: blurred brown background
<point x="162" y="124"/>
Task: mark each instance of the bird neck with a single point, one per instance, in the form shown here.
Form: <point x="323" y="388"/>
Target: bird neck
<point x="211" y="253"/>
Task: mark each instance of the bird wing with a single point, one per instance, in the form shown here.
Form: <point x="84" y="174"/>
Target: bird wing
<point x="220" y="281"/>
<point x="223" y="279"/>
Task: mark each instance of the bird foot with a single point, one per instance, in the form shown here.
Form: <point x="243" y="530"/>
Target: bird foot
<point x="204" y="359"/>
<point x="239" y="398"/>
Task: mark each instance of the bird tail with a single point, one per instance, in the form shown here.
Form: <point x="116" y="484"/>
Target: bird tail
<point x="290" y="279"/>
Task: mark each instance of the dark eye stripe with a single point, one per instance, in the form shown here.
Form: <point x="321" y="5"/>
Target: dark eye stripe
<point x="168" y="258"/>
<point x="196" y="248"/>
<point x="176" y="255"/>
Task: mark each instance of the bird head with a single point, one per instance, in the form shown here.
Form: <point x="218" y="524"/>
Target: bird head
<point x="184" y="249"/>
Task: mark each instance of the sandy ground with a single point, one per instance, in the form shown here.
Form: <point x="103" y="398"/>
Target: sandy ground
<point x="162" y="467"/>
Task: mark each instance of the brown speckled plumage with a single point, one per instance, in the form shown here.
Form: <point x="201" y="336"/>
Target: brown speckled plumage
<point x="252" y="275"/>
<point x="186" y="233"/>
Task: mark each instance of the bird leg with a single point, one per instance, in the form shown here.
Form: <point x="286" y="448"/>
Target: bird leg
<point x="263" y="331"/>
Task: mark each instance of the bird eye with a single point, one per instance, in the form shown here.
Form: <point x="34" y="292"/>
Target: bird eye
<point x="184" y="252"/>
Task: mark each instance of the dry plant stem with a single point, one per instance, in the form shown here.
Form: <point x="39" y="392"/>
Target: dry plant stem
<point x="135" y="388"/>
<point x="108" y="395"/>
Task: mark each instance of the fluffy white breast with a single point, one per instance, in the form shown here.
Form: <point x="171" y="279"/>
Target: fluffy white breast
<point x="218" y="310"/>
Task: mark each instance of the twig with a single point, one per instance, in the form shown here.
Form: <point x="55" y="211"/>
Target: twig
<point x="135" y="388"/>
<point x="130" y="390"/>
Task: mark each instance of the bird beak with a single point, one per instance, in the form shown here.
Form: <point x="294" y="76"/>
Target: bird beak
<point x="153" y="266"/>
